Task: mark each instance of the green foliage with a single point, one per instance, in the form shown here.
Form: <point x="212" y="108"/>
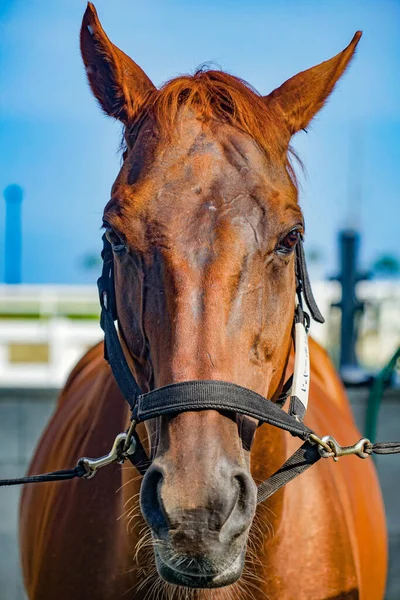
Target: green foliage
<point x="387" y="264"/>
<point x="91" y="262"/>
<point x="314" y="255"/>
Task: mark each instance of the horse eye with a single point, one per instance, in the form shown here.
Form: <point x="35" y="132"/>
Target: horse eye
<point x="289" y="242"/>
<point x="117" y="244"/>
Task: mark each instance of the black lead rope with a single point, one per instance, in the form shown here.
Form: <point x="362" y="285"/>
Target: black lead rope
<point x="307" y="455"/>
<point x="202" y="395"/>
<point x="383" y="448"/>
<point x="79" y="471"/>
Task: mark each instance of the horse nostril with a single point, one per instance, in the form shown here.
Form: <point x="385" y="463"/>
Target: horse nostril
<point x="151" y="503"/>
<point x="244" y="483"/>
<point x="243" y="512"/>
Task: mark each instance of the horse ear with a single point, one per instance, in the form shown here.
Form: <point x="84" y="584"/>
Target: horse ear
<point x="302" y="96"/>
<point x="117" y="82"/>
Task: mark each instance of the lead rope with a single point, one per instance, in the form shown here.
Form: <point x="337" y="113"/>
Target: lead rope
<point x="301" y="460"/>
<point x="78" y="471"/>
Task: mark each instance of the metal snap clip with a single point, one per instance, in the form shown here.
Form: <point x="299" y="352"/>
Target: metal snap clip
<point x="336" y="450"/>
<point x="116" y="454"/>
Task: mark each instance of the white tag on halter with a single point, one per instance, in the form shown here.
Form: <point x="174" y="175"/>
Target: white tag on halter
<point x="301" y="374"/>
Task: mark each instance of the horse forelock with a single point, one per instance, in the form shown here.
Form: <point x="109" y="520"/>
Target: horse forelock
<point x="219" y="96"/>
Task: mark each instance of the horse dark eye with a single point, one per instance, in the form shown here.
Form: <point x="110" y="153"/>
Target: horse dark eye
<point x="289" y="242"/>
<point x="115" y="241"/>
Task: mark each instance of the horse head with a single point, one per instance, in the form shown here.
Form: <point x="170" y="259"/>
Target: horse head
<point x="203" y="220"/>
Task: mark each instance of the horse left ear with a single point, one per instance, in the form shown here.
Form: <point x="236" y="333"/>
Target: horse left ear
<point x="117" y="82"/>
<point x="302" y="96"/>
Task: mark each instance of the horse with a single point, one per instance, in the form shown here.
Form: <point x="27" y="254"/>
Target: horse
<point x="204" y="222"/>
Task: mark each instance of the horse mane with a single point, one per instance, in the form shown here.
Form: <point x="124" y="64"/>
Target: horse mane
<point x="217" y="95"/>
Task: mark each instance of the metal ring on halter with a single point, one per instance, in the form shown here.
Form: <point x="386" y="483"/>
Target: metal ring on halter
<point x="322" y="445"/>
<point x="130" y="442"/>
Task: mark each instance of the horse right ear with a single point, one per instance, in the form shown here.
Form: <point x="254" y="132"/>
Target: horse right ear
<point x="302" y="96"/>
<point x="117" y="82"/>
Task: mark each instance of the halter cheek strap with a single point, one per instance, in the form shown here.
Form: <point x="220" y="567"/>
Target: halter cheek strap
<point x="301" y="373"/>
<point x="304" y="286"/>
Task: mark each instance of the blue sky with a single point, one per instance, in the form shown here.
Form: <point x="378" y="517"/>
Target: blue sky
<point x="57" y="145"/>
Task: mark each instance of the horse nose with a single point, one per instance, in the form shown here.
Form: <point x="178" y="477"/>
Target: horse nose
<point x="221" y="506"/>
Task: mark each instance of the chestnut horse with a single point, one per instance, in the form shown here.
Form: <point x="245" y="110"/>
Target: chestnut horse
<point x="203" y="221"/>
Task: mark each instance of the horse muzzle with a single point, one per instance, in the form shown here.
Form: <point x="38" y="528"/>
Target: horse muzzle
<point x="197" y="572"/>
<point x="200" y="538"/>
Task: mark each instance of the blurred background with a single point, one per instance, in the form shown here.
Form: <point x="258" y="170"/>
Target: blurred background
<point x="59" y="157"/>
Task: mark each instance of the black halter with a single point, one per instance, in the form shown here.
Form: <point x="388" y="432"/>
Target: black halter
<point x="208" y="395"/>
<point x="216" y="395"/>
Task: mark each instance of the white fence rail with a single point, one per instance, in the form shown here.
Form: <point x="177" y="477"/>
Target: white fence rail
<point x="44" y="330"/>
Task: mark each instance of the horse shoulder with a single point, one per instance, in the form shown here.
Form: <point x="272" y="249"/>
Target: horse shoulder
<point x="332" y="522"/>
<point x="61" y="520"/>
<point x="351" y="483"/>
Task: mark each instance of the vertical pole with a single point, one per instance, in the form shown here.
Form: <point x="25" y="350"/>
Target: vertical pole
<point x="350" y="306"/>
<point x="348" y="244"/>
<point x="13" y="195"/>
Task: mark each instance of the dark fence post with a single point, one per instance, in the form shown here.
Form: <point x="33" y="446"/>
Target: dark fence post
<point x="351" y="308"/>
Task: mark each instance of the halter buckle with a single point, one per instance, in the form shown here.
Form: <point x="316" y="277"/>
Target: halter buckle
<point x="105" y="299"/>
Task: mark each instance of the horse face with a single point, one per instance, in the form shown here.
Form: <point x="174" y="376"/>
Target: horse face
<point x="204" y="221"/>
<point x="205" y="290"/>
